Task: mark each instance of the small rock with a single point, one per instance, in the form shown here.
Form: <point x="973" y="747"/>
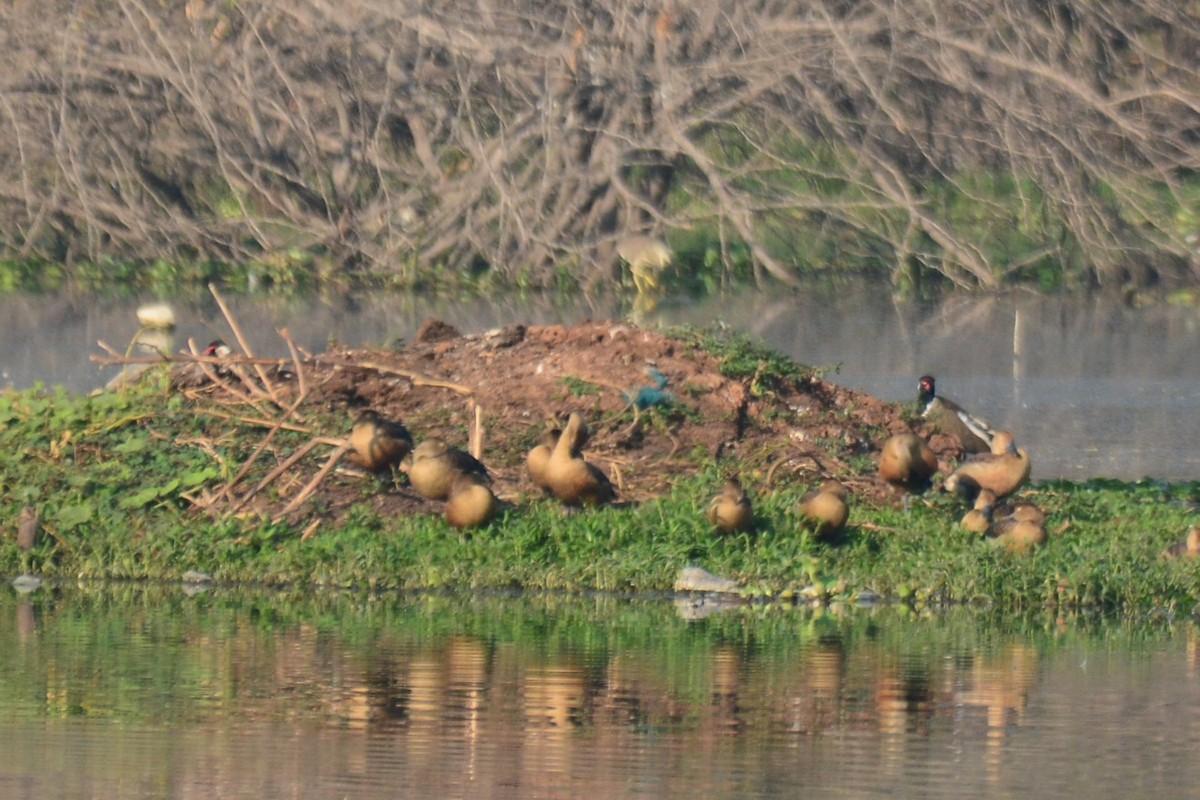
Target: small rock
<point x="193" y="576"/>
<point x="696" y="579"/>
<point x="27" y="583"/>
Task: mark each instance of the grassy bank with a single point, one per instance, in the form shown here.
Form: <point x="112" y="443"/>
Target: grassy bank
<point x="119" y="480"/>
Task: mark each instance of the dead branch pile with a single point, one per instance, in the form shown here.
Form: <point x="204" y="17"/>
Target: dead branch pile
<point x="528" y="136"/>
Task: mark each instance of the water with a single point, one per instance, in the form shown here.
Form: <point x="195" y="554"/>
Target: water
<point x="1095" y="387"/>
<point x="143" y="692"/>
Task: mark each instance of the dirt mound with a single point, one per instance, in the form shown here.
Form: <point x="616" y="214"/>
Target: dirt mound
<point x="660" y="408"/>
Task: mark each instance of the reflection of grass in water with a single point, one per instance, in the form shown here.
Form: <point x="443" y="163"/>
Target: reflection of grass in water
<point x="149" y="653"/>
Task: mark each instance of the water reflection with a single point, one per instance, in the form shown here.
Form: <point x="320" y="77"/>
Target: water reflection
<point x="150" y="694"/>
<point x="1103" y="388"/>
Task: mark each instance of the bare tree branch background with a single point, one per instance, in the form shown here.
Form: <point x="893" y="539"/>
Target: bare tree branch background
<point x="973" y="138"/>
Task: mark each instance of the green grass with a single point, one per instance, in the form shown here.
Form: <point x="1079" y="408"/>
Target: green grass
<point x="114" y="477"/>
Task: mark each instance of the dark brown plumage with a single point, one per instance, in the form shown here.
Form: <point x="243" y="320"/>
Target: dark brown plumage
<point x="379" y="443"/>
<point x="29" y="528"/>
<point x="950" y="418"/>
<point x="433" y="467"/>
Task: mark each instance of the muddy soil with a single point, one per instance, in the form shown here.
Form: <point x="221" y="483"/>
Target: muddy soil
<point x="659" y="409"/>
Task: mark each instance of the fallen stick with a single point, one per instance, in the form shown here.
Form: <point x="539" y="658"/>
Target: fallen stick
<point x="284" y="466"/>
<point x="237" y="332"/>
<point x="312" y="485"/>
<point x="416" y="378"/>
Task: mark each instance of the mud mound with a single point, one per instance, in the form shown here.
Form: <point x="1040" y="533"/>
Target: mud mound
<point x="660" y="408"/>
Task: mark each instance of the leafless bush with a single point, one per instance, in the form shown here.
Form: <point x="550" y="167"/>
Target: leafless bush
<point x="527" y="136"/>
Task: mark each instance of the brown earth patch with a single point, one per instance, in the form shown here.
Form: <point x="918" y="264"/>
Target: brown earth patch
<point x="521" y="380"/>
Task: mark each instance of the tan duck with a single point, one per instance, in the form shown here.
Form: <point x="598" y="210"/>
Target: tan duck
<point x="825" y="510"/>
<point x="979" y="519"/>
<point x="574" y="481"/>
<point x="538" y="457"/>
<point x="730" y="511"/>
<point x="433" y="467"/>
<point x="1188" y="548"/>
<point x="379" y="443"/>
<point x="1003" y="471"/>
<point x="907" y="463"/>
<point x="949" y="417"/>
<point x="1021" y="536"/>
<point x="471" y="503"/>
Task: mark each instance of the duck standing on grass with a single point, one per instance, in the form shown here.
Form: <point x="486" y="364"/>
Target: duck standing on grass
<point x="379" y="444"/>
<point x="1003" y="471"/>
<point x="825" y="510"/>
<point x="539" y="456"/>
<point x="574" y="481"/>
<point x="907" y="463"/>
<point x="433" y="467"/>
<point x="730" y="511"/>
<point x="950" y="418"/>
<point x="471" y="503"/>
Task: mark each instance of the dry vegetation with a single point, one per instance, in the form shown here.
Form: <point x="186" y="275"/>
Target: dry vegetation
<point x="976" y="139"/>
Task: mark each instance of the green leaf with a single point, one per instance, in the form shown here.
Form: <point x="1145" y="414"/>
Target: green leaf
<point x="69" y="517"/>
<point x="143" y="498"/>
<point x="197" y="477"/>
<point x="131" y="446"/>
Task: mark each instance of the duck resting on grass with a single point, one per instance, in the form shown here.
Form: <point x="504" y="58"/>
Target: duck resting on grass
<point x="1003" y="471"/>
<point x="471" y="503"/>
<point x="951" y="418"/>
<point x="1188" y="548"/>
<point x="730" y="510"/>
<point x="572" y="480"/>
<point x="1021" y="536"/>
<point x="380" y="444"/>
<point x="434" y="465"/>
<point x="907" y="463"/>
<point x="825" y="510"/>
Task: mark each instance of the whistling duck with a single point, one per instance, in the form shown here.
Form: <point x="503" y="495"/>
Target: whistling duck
<point x="1003" y="471"/>
<point x="1188" y="548"/>
<point x="471" y="503"/>
<point x="950" y="418"/>
<point x="433" y="467"/>
<point x="730" y="510"/>
<point x="537" y="458"/>
<point x="572" y="480"/>
<point x="825" y="510"/>
<point x="647" y="257"/>
<point x="29" y="528"/>
<point x="979" y="519"/>
<point x="1018" y="535"/>
<point x="379" y="443"/>
<point x="906" y="462"/>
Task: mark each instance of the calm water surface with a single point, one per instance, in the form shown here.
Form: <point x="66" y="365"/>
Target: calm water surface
<point x="1095" y="387"/>
<point x="134" y="692"/>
